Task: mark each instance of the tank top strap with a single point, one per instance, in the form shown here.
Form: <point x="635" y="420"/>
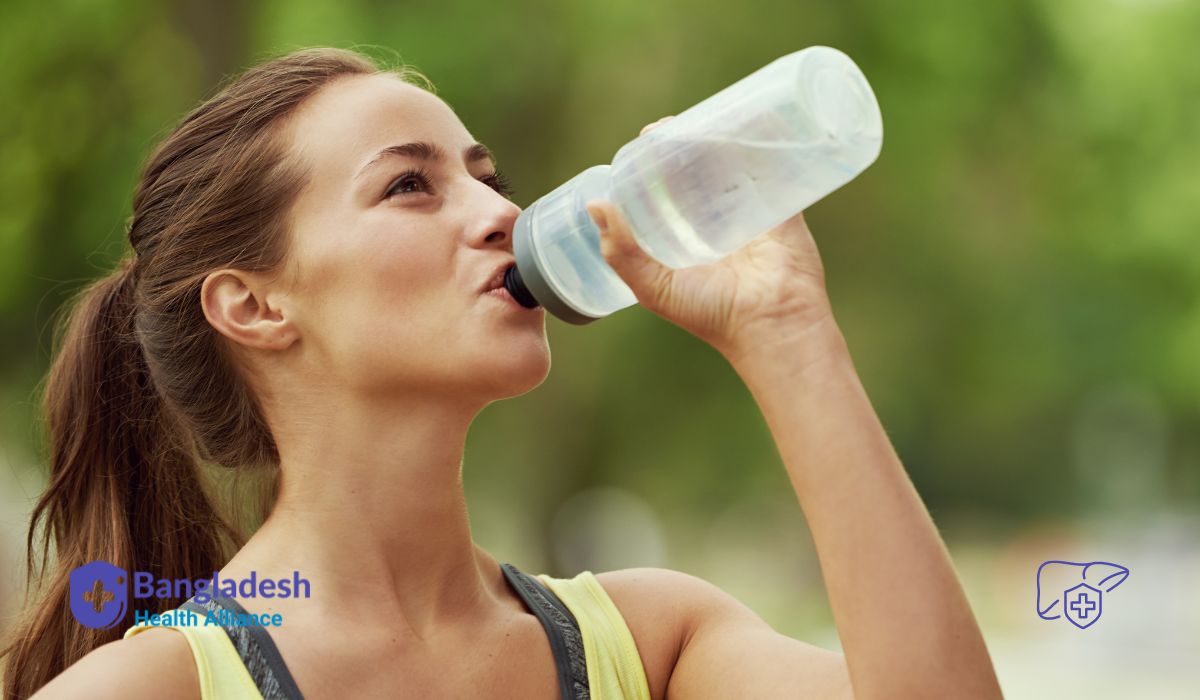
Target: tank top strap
<point x="561" y="627"/>
<point x="615" y="670"/>
<point x="256" y="649"/>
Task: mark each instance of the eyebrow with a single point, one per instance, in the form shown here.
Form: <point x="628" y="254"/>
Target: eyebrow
<point x="422" y="150"/>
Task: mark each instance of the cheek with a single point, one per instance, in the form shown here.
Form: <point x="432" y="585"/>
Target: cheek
<point x="383" y="340"/>
<point x="394" y="311"/>
<point x="405" y="288"/>
<point x="387" y="273"/>
<point x="383" y="298"/>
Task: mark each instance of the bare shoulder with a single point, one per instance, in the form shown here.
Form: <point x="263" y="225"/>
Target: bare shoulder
<point x="674" y="593"/>
<point x="156" y="663"/>
<point x="660" y="607"/>
<point x="654" y="618"/>
<point x="703" y="642"/>
<point x="669" y="599"/>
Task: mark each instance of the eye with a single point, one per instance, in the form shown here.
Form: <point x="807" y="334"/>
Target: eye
<point x="406" y="181"/>
<point x="499" y="182"/>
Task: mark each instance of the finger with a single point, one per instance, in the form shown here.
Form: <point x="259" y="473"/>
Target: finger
<point x="655" y="124"/>
<point x="652" y="125"/>
<point x="647" y="278"/>
<point x="795" y="227"/>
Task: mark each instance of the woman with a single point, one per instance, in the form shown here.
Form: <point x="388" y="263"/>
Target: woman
<point x="315" y="253"/>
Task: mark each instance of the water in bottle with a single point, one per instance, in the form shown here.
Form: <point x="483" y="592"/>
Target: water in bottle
<point x="704" y="183"/>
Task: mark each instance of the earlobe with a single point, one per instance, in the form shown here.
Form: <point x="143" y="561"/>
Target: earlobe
<point x="235" y="304"/>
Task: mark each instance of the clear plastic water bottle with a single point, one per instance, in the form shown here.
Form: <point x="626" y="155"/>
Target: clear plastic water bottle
<point x="704" y="183"/>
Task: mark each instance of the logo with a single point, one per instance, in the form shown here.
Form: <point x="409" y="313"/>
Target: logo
<point x="1075" y="590"/>
<point x="99" y="594"/>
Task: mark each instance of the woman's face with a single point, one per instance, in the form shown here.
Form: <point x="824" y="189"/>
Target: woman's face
<point x="392" y="244"/>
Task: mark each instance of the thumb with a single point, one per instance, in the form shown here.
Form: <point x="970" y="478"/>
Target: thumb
<point x="648" y="279"/>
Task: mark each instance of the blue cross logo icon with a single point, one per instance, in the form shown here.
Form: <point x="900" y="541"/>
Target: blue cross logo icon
<point x="1075" y="590"/>
<point x="1082" y="604"/>
<point x="99" y="594"/>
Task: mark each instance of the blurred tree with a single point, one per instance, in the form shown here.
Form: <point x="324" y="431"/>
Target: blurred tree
<point x="1030" y="232"/>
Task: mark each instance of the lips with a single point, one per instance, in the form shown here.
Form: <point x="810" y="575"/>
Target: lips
<point x="497" y="278"/>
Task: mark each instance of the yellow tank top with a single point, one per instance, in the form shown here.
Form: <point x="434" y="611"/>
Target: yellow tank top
<point x="614" y="667"/>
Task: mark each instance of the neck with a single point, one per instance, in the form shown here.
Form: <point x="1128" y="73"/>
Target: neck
<point x="371" y="511"/>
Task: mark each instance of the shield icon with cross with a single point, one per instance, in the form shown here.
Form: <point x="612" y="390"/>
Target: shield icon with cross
<point x="99" y="592"/>
<point x="1082" y="605"/>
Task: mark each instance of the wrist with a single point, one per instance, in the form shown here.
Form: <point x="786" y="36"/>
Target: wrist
<point x="790" y="352"/>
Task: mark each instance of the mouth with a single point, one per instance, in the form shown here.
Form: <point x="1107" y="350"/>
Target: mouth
<point x="496" y="281"/>
<point x="495" y="288"/>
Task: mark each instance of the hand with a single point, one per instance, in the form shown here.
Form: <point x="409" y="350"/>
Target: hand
<point x="770" y="288"/>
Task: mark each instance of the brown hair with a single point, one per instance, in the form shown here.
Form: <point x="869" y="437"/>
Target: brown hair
<point x="142" y="392"/>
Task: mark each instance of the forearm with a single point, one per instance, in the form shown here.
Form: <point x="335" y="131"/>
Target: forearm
<point x="904" y="621"/>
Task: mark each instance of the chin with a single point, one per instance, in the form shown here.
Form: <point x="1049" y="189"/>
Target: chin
<point x="515" y="371"/>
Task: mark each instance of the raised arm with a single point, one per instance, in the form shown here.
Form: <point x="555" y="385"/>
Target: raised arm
<point x="906" y="628"/>
<point x="904" y="622"/>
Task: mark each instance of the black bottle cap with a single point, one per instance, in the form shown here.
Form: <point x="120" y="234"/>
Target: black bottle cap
<point x="516" y="287"/>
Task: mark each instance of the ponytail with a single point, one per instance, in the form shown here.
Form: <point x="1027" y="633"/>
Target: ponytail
<point x="143" y="392"/>
<point x="123" y="488"/>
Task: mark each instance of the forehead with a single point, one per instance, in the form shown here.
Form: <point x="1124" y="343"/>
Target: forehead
<point x="352" y="118"/>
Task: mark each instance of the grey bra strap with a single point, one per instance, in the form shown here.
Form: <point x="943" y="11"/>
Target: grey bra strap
<point x="561" y="627"/>
<point x="257" y="649"/>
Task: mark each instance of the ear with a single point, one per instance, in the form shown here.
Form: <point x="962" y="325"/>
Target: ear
<point x="243" y="307"/>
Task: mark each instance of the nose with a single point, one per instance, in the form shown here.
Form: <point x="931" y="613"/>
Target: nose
<point x="496" y="227"/>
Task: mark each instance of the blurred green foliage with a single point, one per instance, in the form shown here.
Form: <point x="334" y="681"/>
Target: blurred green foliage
<point x="1024" y="256"/>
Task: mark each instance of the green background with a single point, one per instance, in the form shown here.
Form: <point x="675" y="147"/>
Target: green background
<point x="1018" y="277"/>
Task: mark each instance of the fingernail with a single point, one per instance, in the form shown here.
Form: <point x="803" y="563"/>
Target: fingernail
<point x="601" y="220"/>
